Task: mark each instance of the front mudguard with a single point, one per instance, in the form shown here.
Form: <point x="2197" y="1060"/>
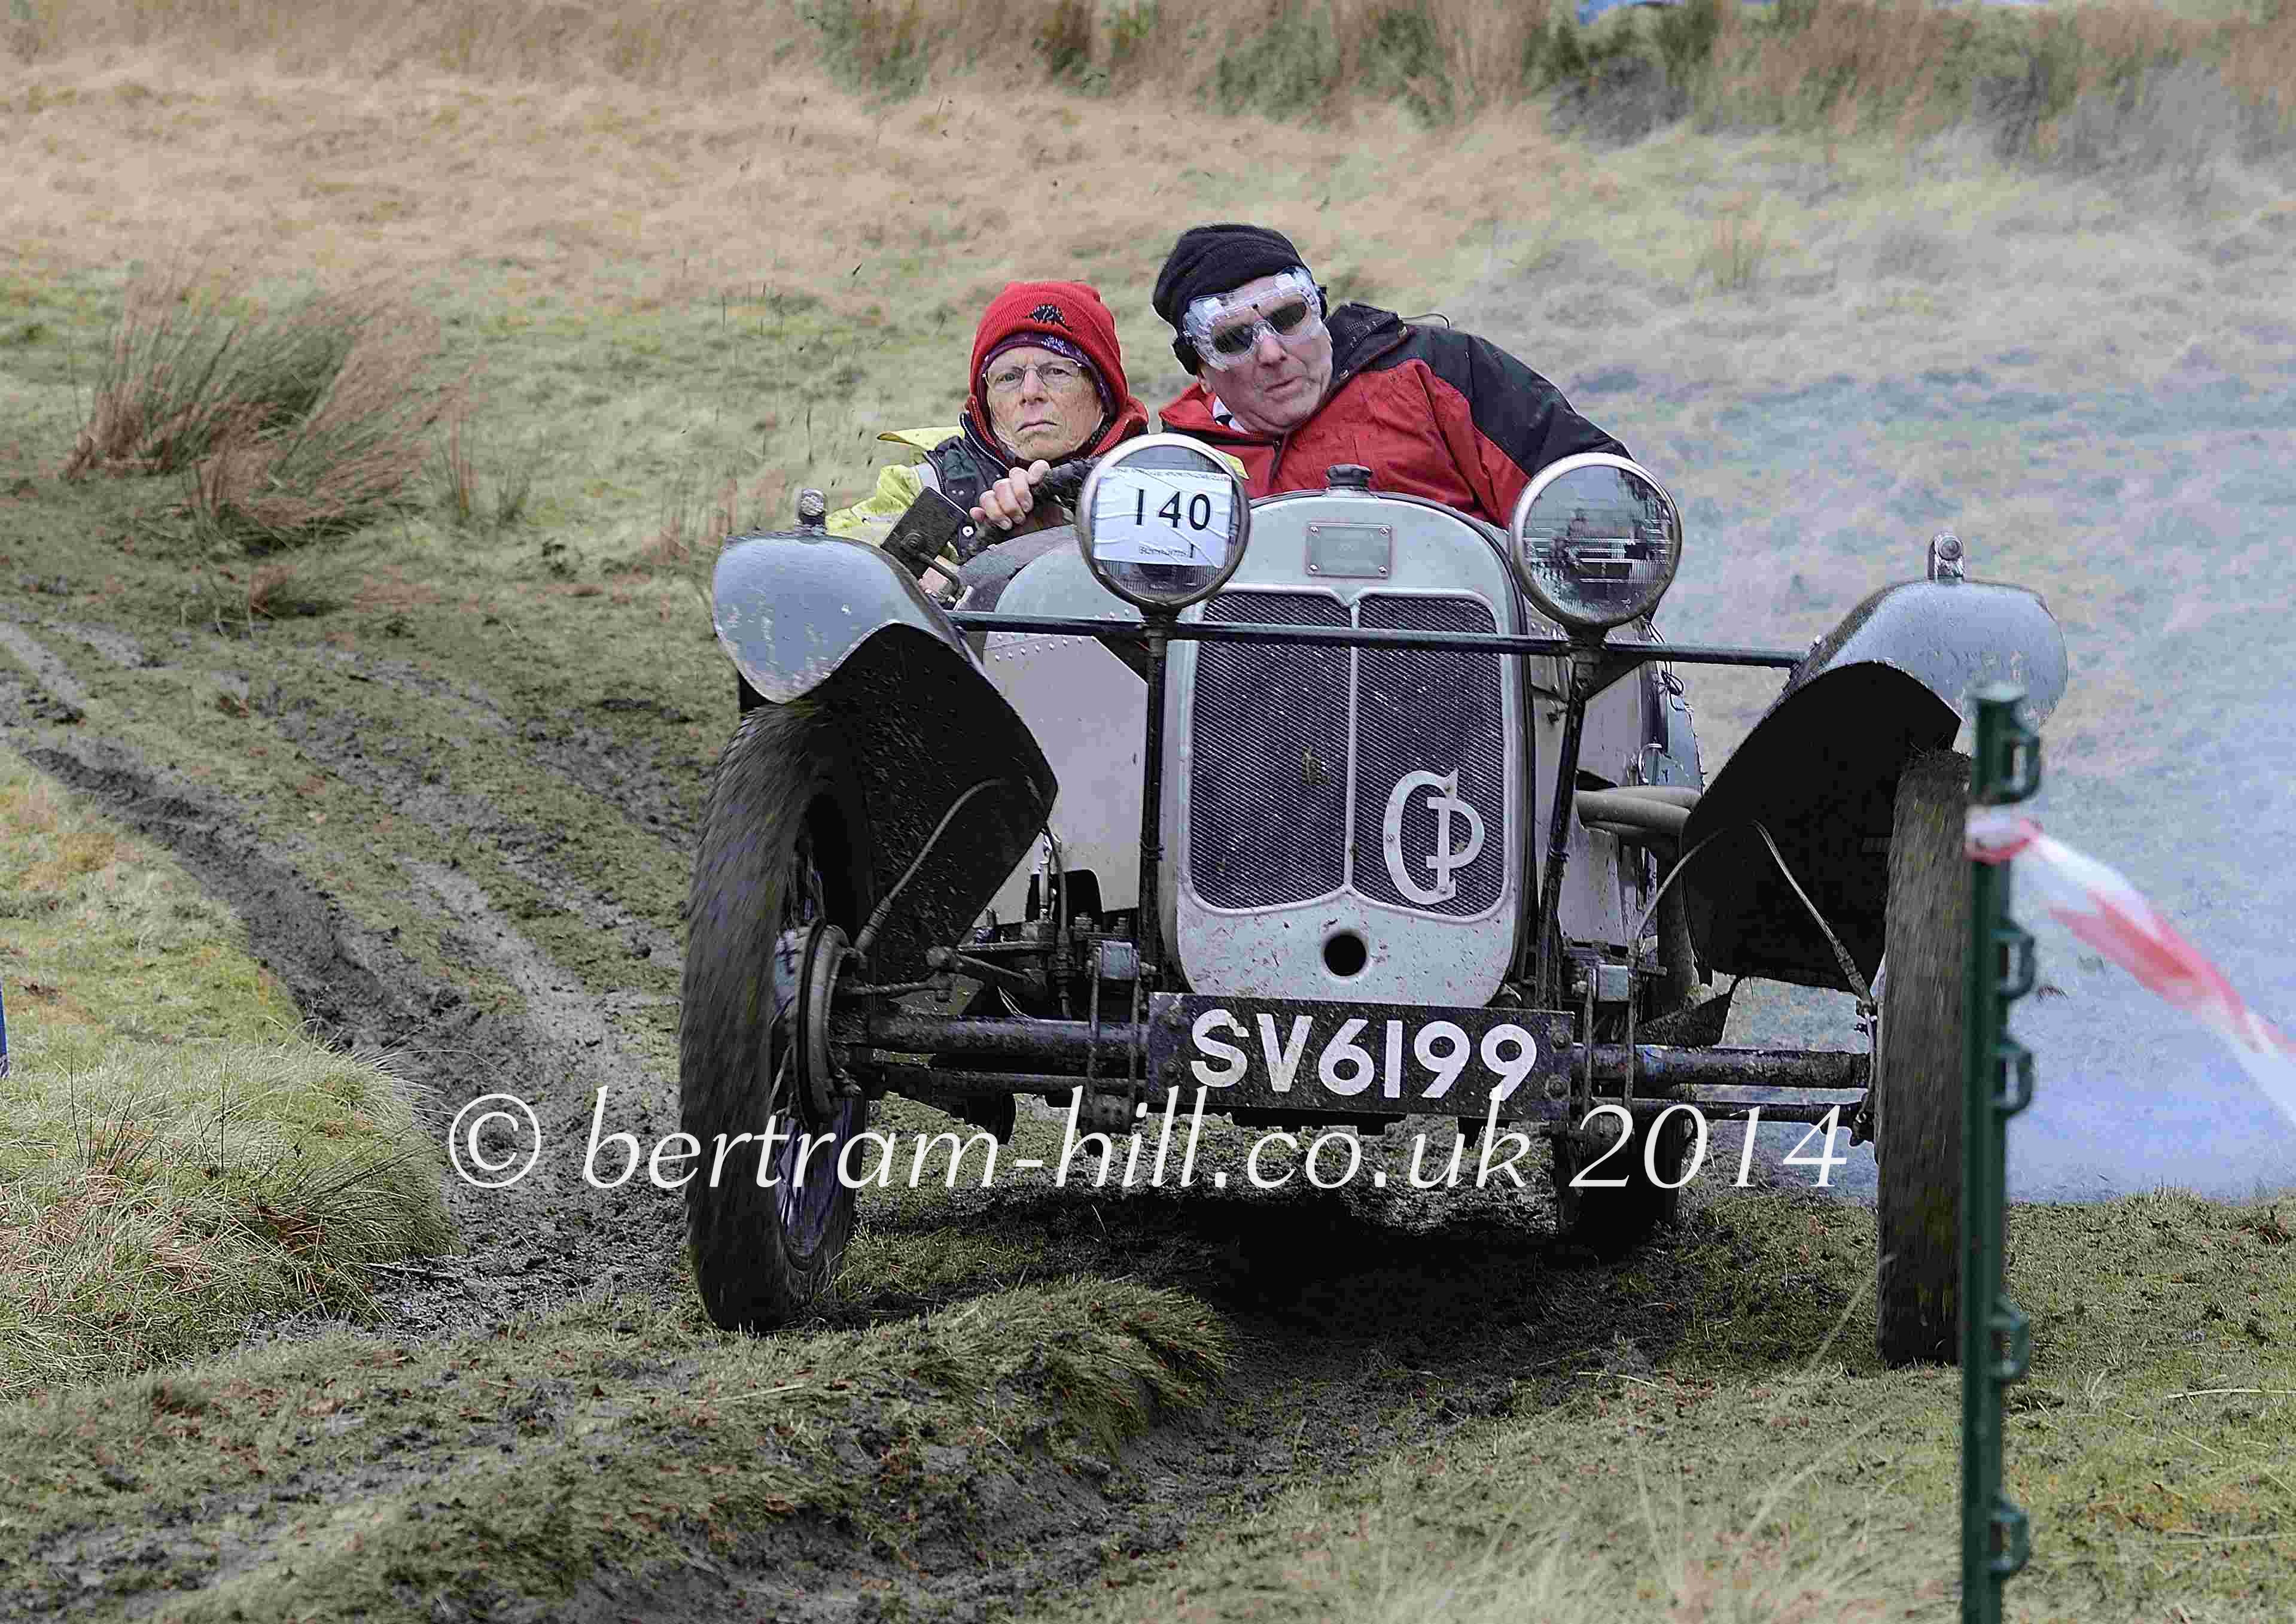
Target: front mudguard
<point x="790" y="607"/>
<point x="915" y="726"/>
<point x="1820" y="770"/>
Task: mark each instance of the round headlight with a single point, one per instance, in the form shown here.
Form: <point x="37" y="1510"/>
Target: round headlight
<point x="1596" y="541"/>
<point x="1162" y="523"/>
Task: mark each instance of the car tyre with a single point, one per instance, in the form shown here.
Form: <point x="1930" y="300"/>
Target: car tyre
<point x="1917" y="1064"/>
<point x="758" y="920"/>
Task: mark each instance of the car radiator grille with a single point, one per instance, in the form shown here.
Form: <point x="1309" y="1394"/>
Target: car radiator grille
<point x="1434" y="711"/>
<point x="1268" y="756"/>
<point x="1268" y="814"/>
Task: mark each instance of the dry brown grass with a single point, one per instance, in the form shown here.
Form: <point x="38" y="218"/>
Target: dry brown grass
<point x="283" y="589"/>
<point x="894" y="46"/>
<point x="1741" y="240"/>
<point x="413" y="139"/>
<point x="476" y="488"/>
<point x="1917" y="65"/>
<point x="1915" y="69"/>
<point x="457" y="472"/>
<point x="600" y="194"/>
<point x="288" y="423"/>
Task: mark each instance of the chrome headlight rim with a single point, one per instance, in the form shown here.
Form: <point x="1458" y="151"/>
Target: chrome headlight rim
<point x="1240" y="501"/>
<point x="1573" y="616"/>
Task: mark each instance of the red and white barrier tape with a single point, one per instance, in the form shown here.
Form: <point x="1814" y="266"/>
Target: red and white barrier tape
<point x="2102" y="909"/>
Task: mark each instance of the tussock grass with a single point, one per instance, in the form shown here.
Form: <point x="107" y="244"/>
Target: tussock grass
<point x="2082" y="90"/>
<point x="576" y="1452"/>
<point x="283" y="589"/>
<point x="480" y="489"/>
<point x="1741" y="241"/>
<point x="174" y="1159"/>
<point x="306" y="419"/>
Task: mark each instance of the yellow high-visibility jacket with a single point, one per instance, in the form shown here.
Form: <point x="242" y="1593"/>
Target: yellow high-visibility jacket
<point x="898" y="485"/>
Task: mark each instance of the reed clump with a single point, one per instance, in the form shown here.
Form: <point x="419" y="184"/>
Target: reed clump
<point x="302" y="419"/>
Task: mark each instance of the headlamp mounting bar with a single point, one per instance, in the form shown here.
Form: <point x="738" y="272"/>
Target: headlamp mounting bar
<point x="1627" y="655"/>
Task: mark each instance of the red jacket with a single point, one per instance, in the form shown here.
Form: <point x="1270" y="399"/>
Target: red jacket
<point x="1431" y="411"/>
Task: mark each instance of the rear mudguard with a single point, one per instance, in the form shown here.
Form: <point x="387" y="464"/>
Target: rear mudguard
<point x="916" y="726"/>
<point x="1819" y="771"/>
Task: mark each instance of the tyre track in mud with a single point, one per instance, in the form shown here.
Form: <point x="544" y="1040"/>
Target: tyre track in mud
<point x="1368" y="1348"/>
<point x="630" y="774"/>
<point x="339" y="742"/>
<point x="1378" y="1340"/>
<point x="366" y="997"/>
<point x="539" y="1243"/>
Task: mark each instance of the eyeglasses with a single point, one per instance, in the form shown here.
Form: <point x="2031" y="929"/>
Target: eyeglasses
<point x="1058" y="377"/>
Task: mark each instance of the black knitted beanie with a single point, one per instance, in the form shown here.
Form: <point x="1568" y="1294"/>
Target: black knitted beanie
<point x="1211" y="259"/>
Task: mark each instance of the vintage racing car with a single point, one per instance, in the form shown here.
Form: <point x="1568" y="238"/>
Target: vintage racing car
<point x="1337" y="807"/>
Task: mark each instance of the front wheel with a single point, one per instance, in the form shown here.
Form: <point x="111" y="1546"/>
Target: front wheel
<point x="768" y="1212"/>
<point x="1917" y="1063"/>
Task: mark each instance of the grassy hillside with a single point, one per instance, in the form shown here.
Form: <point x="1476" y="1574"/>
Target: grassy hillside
<point x="631" y="278"/>
<point x="1896" y="64"/>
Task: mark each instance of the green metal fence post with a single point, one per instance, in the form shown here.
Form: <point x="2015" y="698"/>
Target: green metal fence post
<point x="1998" y="1083"/>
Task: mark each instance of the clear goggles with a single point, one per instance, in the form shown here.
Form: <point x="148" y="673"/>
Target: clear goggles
<point x="1226" y="330"/>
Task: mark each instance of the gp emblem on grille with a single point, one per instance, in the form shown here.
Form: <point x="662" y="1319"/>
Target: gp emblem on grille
<point x="1445" y="859"/>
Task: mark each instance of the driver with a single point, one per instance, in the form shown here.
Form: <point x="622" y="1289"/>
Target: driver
<point x="1047" y="384"/>
<point x="1292" y="390"/>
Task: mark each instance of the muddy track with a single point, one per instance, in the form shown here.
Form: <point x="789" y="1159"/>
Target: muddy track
<point x="1410" y="1325"/>
<point x="364" y="996"/>
<point x="530" y="1246"/>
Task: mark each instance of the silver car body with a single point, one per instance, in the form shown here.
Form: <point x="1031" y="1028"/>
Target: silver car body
<point x="1424" y="847"/>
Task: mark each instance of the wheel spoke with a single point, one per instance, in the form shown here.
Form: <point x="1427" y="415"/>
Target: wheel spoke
<point x="805" y="1204"/>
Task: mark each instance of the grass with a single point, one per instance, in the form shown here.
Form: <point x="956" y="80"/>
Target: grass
<point x="1733" y="259"/>
<point x="704" y="296"/>
<point x="304" y="420"/>
<point x="1895" y="63"/>
<point x="175" y="1160"/>
<point x="575" y="1451"/>
<point x="695" y="520"/>
<point x="482" y="491"/>
<point x="1761" y="1464"/>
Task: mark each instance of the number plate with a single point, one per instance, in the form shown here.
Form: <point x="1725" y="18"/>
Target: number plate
<point x="1398" y="1059"/>
<point x="1161" y="516"/>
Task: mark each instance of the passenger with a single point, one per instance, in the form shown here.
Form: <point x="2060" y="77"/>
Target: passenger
<point x="1293" y="390"/>
<point x="1046" y="384"/>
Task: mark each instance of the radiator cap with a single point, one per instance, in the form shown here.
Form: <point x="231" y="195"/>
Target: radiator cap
<point x="1347" y="476"/>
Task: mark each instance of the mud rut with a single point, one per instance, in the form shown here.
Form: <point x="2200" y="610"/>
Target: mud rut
<point x="1358" y="1329"/>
